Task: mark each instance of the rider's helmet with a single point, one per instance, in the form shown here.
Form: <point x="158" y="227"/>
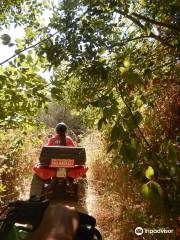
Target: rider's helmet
<point x="61" y="127"/>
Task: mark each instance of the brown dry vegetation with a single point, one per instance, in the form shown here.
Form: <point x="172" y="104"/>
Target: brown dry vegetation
<point x="114" y="197"/>
<point x="165" y="114"/>
<point x="18" y="154"/>
<point x="111" y="192"/>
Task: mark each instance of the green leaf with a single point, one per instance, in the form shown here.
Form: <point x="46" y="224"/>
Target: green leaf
<point x="128" y="152"/>
<point x="149" y="173"/>
<point x="143" y="2"/>
<point x="147" y="73"/>
<point x="101" y="122"/>
<point x="153" y="191"/>
<point x="6" y="39"/>
<point x="29" y="32"/>
<point x="138" y="102"/>
<point x="130" y="123"/>
<point x="17" y="51"/>
<point x="11" y="44"/>
<point x="2" y="187"/>
<point x="148" y="28"/>
<point x="21" y="57"/>
<point x="156" y="188"/>
<point x="133" y="78"/>
<point x="172" y="154"/>
<point x="145" y="190"/>
<point x="114" y="133"/>
<point x="126" y="63"/>
<point x="102" y="51"/>
<point x="122" y="70"/>
<point x="102" y="60"/>
<point x="114" y="55"/>
<point x="16" y="234"/>
<point x="117" y="133"/>
<point x="19" y="43"/>
<point x="54" y="91"/>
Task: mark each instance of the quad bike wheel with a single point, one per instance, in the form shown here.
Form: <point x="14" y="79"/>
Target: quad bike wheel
<point x="37" y="186"/>
<point x="71" y="189"/>
<point x="81" y="189"/>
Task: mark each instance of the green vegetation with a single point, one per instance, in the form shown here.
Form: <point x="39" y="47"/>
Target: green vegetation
<point x="119" y="58"/>
<point x="117" y="64"/>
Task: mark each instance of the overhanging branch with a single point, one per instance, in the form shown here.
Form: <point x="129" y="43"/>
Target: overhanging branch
<point x="161" y="24"/>
<point x="152" y="35"/>
<point x="27" y="48"/>
<point x="41" y="41"/>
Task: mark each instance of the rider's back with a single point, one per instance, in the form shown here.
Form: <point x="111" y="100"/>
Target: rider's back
<point x="58" y="140"/>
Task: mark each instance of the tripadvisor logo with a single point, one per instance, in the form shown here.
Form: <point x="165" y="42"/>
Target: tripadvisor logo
<point x="139" y="231"/>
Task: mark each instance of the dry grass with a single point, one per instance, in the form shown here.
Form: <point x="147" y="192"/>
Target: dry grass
<point x="111" y="193"/>
<point x="114" y="199"/>
<point x="16" y="166"/>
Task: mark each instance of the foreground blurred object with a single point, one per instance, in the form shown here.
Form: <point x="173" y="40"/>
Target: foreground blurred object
<point x="46" y="221"/>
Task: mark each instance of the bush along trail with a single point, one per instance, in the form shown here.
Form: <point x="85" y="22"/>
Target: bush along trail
<point x="114" y="197"/>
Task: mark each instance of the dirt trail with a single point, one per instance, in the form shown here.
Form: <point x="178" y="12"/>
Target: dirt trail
<point x="89" y="203"/>
<point x="95" y="202"/>
<point x="86" y="205"/>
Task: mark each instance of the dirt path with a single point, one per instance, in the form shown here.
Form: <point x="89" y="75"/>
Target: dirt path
<point x="106" y="209"/>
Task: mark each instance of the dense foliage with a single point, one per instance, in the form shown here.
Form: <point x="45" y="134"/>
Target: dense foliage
<point x="22" y="89"/>
<point x="20" y="12"/>
<point x="120" y="57"/>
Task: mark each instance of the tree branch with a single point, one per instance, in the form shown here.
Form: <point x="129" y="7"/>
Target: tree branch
<point x="130" y="111"/>
<point x="161" y="24"/>
<point x="149" y="147"/>
<point x="152" y="35"/>
<point x="27" y="48"/>
<point x="130" y="40"/>
<point x="42" y="41"/>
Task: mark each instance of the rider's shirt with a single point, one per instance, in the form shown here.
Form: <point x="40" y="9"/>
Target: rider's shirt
<point x="55" y="141"/>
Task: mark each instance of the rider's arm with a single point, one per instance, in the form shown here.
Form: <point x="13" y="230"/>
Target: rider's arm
<point x="58" y="223"/>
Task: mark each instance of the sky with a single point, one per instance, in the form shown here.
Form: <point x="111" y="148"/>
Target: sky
<point x="5" y="51"/>
<point x="18" y="32"/>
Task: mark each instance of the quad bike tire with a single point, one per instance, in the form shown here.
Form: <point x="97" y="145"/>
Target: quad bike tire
<point x="37" y="186"/>
<point x="75" y="190"/>
<point x="81" y="189"/>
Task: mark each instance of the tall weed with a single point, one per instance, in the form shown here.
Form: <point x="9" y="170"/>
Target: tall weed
<point x="18" y="152"/>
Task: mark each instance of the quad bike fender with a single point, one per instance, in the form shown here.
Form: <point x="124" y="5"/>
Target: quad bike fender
<point x="44" y="172"/>
<point x="77" y="172"/>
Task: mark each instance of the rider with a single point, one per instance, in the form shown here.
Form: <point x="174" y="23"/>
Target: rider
<point x="60" y="139"/>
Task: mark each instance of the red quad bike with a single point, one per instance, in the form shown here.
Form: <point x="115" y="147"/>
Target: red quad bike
<point x="61" y="170"/>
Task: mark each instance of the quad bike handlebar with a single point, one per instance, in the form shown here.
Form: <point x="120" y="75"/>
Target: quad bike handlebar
<point x="31" y="212"/>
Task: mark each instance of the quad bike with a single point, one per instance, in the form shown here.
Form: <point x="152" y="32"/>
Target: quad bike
<point x="61" y="170"/>
<point x="24" y="217"/>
